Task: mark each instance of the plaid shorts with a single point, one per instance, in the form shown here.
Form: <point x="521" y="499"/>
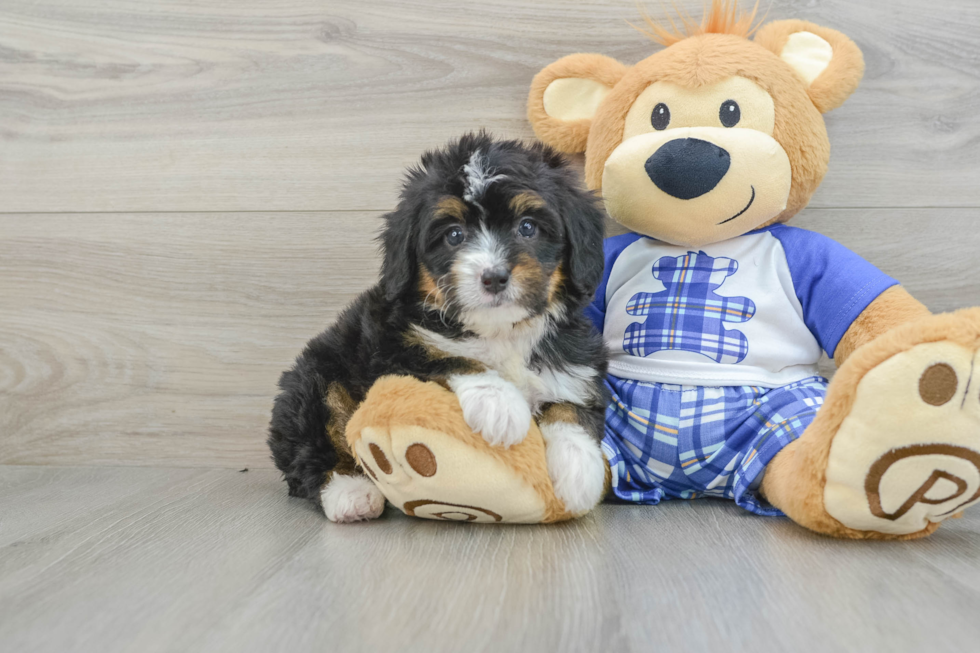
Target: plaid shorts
<point x="682" y="442"/>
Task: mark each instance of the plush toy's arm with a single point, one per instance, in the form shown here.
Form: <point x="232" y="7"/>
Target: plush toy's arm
<point x="892" y="308"/>
<point x="847" y="302"/>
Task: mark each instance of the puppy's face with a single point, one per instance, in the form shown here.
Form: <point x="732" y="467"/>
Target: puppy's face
<point x="492" y="233"/>
<point x="492" y="256"/>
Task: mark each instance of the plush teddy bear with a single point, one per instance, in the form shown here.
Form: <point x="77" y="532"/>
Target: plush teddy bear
<point x="715" y="313"/>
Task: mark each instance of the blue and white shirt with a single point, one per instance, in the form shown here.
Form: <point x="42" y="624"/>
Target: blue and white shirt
<point x="753" y="310"/>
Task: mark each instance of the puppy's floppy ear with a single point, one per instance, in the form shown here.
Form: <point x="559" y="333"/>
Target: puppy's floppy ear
<point x="399" y="267"/>
<point x="584" y="230"/>
<point x="565" y="95"/>
<point x="829" y="64"/>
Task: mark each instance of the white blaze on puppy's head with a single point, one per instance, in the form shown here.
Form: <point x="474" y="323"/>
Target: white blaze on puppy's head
<point x="478" y="177"/>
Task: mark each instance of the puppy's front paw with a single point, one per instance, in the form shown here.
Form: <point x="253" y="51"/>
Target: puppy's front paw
<point x="575" y="464"/>
<point x="351" y="498"/>
<point x="493" y="407"/>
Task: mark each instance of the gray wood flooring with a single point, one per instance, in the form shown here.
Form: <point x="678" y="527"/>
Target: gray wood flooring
<point x="127" y="559"/>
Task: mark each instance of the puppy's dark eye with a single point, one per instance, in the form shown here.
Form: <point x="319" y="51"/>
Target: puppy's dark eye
<point x="455" y="236"/>
<point x="661" y="117"/>
<point x="527" y="228"/>
<point x="730" y="114"/>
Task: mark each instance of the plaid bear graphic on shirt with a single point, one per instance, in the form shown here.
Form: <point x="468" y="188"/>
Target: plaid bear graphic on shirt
<point x="688" y="314"/>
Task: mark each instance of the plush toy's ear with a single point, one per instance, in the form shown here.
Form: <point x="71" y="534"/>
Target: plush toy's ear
<point x="829" y="63"/>
<point x="565" y="95"/>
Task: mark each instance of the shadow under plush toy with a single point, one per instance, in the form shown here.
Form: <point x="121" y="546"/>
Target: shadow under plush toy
<point x="715" y="313"/>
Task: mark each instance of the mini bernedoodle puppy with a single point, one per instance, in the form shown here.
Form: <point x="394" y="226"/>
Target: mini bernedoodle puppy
<point x="489" y="257"/>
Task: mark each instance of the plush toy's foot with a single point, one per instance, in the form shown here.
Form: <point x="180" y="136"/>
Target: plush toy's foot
<point x="909" y="452"/>
<point x="896" y="447"/>
<point x="412" y="439"/>
<point x="351" y="498"/>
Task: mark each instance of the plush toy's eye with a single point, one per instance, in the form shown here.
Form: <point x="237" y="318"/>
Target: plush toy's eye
<point x="661" y="117"/>
<point x="730" y="114"/>
<point x="455" y="236"/>
<point x="527" y="228"/>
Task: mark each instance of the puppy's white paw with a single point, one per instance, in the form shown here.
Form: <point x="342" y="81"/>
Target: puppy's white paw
<point x="575" y="464"/>
<point x="351" y="498"/>
<point x="493" y="407"/>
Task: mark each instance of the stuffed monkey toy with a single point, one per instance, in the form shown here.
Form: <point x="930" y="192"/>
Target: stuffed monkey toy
<point x="715" y="312"/>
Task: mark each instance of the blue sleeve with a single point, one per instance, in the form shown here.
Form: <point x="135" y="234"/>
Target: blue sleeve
<point x="834" y="285"/>
<point x="611" y="249"/>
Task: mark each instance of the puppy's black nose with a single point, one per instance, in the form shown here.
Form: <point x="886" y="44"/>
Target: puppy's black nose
<point x="686" y="168"/>
<point x="495" y="280"/>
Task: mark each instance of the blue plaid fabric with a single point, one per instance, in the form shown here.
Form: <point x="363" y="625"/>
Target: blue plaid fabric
<point x="682" y="442"/>
<point x="688" y="314"/>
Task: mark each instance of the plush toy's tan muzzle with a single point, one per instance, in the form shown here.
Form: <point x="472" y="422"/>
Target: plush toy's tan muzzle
<point x="698" y="185"/>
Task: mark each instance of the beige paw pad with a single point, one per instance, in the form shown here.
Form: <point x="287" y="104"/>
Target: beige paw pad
<point x="434" y="475"/>
<point x="909" y="451"/>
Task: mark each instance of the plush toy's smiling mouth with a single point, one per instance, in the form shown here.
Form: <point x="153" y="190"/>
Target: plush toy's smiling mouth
<point x="740" y="212"/>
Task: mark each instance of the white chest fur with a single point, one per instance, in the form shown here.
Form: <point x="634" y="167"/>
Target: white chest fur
<point x="509" y="351"/>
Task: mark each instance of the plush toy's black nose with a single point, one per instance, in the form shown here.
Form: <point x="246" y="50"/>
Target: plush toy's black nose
<point x="495" y="280"/>
<point x="686" y="168"/>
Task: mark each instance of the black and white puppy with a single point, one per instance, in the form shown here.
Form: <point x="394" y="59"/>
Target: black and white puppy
<point x="489" y="258"/>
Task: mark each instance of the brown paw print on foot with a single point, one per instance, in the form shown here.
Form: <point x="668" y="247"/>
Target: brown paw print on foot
<point x="417" y="455"/>
<point x="434" y="475"/>
<point x="908" y="454"/>
<point x="938" y="386"/>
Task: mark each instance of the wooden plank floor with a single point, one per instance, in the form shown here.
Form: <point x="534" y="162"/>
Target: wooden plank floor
<point x="127" y="559"/>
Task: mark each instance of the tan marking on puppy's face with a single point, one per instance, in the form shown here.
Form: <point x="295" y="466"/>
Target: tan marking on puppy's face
<point x="432" y="295"/>
<point x="525" y="202"/>
<point x="554" y="283"/>
<point x="451" y="207"/>
<point x="527" y="271"/>
<point x="530" y="280"/>
<point x="700" y="165"/>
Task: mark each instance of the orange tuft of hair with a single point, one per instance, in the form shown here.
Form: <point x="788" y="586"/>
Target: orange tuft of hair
<point x="723" y="17"/>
